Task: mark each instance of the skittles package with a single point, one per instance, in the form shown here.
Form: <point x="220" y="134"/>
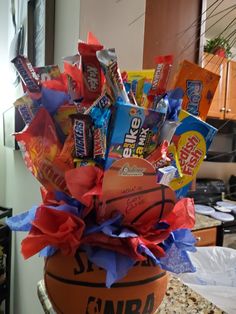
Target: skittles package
<point x="192" y="139"/>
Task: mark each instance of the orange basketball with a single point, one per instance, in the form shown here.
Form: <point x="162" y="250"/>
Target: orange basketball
<point x="130" y="187"/>
<point x="76" y="286"/>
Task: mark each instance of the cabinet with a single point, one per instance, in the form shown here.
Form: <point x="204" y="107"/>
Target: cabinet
<point x="217" y="65"/>
<point x="223" y="105"/>
<point x="230" y="107"/>
<point x="206" y="237"/>
<point x="5" y="261"/>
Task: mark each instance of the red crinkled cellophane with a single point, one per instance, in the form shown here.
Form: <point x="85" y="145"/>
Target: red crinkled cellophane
<point x="53" y="227"/>
<point x="84" y="183"/>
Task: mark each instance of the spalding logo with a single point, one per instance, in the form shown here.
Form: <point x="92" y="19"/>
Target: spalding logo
<point x="89" y="266"/>
<point x="134" y="306"/>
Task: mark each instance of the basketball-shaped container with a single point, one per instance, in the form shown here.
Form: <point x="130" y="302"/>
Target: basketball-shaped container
<point x="76" y="286"/>
<point x="130" y="187"/>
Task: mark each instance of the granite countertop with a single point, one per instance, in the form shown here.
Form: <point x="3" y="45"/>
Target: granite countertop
<point x="181" y="299"/>
<point x="203" y="222"/>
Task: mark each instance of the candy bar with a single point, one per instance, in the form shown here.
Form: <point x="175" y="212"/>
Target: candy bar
<point x="73" y="76"/>
<point x="27" y="73"/>
<point x="101" y="102"/>
<point x="108" y="61"/>
<point x="82" y="127"/>
<point x="161" y="75"/>
<point x="99" y="141"/>
<point x="91" y="71"/>
<point x="24" y="105"/>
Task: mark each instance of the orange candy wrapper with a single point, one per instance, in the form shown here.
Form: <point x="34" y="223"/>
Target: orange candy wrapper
<point x="199" y="86"/>
<point x="41" y="147"/>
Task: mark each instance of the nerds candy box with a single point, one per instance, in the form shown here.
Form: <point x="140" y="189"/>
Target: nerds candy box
<point x="192" y="139"/>
<point x="134" y="132"/>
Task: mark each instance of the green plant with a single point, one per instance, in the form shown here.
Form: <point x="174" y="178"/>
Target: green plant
<point x="216" y="44"/>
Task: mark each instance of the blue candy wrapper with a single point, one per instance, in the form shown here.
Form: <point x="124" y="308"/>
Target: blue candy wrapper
<point x="134" y="132"/>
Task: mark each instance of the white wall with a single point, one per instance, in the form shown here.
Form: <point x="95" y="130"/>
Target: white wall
<point x="117" y="24"/>
<point x="3" y="54"/>
<point x="18" y="188"/>
<point x="217" y="170"/>
<point x="66" y="29"/>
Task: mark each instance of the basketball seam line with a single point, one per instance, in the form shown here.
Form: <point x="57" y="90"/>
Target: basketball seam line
<point x="163" y="203"/>
<point x="149" y="207"/>
<point x="102" y="285"/>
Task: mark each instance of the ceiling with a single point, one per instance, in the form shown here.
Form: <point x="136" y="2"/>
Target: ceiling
<point x="219" y="15"/>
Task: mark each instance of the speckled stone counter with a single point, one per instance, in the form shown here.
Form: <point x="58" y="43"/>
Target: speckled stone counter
<point x="180" y="299"/>
<point x="203" y="222"/>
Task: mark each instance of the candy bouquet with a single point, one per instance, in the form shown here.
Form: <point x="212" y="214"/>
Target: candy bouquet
<point x="115" y="154"/>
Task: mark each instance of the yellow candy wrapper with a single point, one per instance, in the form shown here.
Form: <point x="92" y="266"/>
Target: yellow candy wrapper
<point x="192" y="139"/>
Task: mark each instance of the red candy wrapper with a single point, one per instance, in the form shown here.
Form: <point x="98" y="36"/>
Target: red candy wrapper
<point x="41" y="148"/>
<point x="67" y="152"/>
<point x="158" y="158"/>
<point x="91" y="71"/>
<point x="161" y="76"/>
<point x="73" y="76"/>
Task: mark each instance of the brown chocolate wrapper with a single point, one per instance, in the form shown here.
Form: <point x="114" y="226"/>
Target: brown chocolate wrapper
<point x="83" y="135"/>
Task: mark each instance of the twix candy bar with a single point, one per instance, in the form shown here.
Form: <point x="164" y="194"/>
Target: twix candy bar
<point x="108" y="61"/>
